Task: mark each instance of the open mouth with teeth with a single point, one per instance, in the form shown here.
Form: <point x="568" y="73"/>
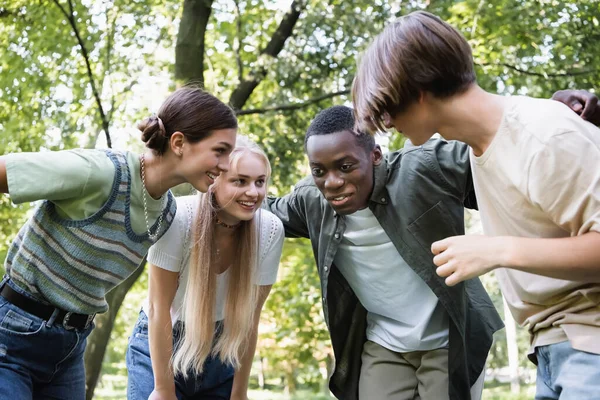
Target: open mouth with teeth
<point x="339" y="200"/>
<point x="212" y="176"/>
<point x="247" y="205"/>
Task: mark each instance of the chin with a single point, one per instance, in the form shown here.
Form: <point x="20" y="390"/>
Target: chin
<point x="202" y="187"/>
<point x="244" y="216"/>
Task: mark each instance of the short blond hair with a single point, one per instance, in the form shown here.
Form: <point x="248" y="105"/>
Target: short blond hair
<point x="417" y="53"/>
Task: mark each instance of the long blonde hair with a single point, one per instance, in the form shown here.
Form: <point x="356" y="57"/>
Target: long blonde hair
<point x="198" y="340"/>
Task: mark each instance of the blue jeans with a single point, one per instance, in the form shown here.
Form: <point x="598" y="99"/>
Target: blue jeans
<point x="39" y="359"/>
<point x="215" y="383"/>
<point x="567" y="374"/>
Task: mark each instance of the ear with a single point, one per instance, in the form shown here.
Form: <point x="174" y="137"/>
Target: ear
<point x="376" y="155"/>
<point x="176" y="142"/>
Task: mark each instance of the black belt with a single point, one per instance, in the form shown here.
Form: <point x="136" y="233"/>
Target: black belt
<point x="67" y="319"/>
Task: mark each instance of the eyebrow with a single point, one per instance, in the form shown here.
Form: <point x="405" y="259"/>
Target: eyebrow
<point x="225" y="144"/>
<point x="248" y="177"/>
<point x="336" y="161"/>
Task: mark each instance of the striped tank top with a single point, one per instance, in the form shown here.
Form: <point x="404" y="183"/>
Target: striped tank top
<point x="72" y="264"/>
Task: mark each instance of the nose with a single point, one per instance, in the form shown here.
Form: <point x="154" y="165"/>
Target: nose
<point x="252" y="192"/>
<point x="333" y="181"/>
<point x="223" y="164"/>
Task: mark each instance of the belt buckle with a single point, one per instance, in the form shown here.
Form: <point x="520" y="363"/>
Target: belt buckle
<point x="65" y="322"/>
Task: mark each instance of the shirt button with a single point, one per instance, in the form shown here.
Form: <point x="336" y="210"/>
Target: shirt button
<point x="383" y="199"/>
<point x="337" y="235"/>
<point x="324" y="299"/>
<point x="326" y="268"/>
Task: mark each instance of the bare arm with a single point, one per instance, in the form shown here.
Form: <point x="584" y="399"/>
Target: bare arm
<point x="241" y="377"/>
<point x="574" y="258"/>
<point x="162" y="289"/>
<point x="3" y="180"/>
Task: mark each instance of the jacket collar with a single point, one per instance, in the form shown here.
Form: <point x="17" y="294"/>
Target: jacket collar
<point x="380" y="176"/>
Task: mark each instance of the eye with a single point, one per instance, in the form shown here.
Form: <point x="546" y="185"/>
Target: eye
<point x="318" y="172"/>
<point x="220" y="150"/>
<point x="346" y="167"/>
<point x="239" y="181"/>
<point x="260" y="183"/>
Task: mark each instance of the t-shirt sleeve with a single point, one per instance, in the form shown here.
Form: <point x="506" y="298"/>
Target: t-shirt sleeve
<point x="168" y="252"/>
<point x="56" y="175"/>
<point x="564" y="181"/>
<point x="269" y="263"/>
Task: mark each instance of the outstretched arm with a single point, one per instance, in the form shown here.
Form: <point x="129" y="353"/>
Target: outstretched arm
<point x="162" y="287"/>
<point x="291" y="212"/>
<point x="569" y="198"/>
<point x="464" y="257"/>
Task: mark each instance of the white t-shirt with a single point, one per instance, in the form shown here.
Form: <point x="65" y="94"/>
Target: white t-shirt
<point x="172" y="253"/>
<point x="404" y="315"/>
<point x="540" y="178"/>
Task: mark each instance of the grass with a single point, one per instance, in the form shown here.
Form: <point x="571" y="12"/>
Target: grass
<point x="115" y="387"/>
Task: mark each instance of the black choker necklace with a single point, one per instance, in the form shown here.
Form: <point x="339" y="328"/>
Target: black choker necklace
<point x="223" y="224"/>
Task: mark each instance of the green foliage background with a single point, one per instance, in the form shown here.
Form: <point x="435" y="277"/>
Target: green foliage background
<point x="47" y="103"/>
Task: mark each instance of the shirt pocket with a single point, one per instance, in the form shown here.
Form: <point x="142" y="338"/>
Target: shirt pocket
<point x="433" y="225"/>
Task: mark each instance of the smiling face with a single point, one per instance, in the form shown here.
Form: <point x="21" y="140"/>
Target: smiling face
<point x="240" y="191"/>
<point x="203" y="161"/>
<point x="342" y="169"/>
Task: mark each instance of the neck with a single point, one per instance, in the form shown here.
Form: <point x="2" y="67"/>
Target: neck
<point x="158" y="173"/>
<point x="227" y="222"/>
<point x="472" y="117"/>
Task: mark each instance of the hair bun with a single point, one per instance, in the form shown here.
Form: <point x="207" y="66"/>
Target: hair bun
<point x="154" y="133"/>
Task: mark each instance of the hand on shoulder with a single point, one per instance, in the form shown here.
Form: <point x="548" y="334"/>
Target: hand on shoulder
<point x="582" y="102"/>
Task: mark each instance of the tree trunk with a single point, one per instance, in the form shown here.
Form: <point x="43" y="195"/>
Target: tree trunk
<point x="189" y="51"/>
<point x="290" y="381"/>
<point x="98" y="339"/>
<point x="512" y="347"/>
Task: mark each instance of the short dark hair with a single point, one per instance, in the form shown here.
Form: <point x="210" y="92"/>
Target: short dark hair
<point x="338" y="119"/>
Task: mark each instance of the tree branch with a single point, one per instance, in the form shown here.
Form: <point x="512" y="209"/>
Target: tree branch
<point x="292" y="106"/>
<point x="241" y="94"/>
<point x="541" y="74"/>
<point x="71" y="18"/>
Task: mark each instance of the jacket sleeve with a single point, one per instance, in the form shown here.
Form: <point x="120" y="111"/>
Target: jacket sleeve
<point x="291" y="211"/>
<point x="453" y="160"/>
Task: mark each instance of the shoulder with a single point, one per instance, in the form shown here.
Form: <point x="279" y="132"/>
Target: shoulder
<point x="543" y="120"/>
<point x="270" y="225"/>
<point x="429" y="154"/>
<point x="187" y="207"/>
<point x="307" y="191"/>
<point x="305" y="184"/>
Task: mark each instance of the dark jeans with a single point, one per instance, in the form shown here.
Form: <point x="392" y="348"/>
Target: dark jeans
<point x="39" y="359"/>
<point x="215" y="383"/>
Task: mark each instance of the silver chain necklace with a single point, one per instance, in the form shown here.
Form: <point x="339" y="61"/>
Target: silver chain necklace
<point x="153" y="236"/>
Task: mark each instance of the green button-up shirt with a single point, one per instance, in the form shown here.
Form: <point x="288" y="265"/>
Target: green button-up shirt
<point x="418" y="198"/>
